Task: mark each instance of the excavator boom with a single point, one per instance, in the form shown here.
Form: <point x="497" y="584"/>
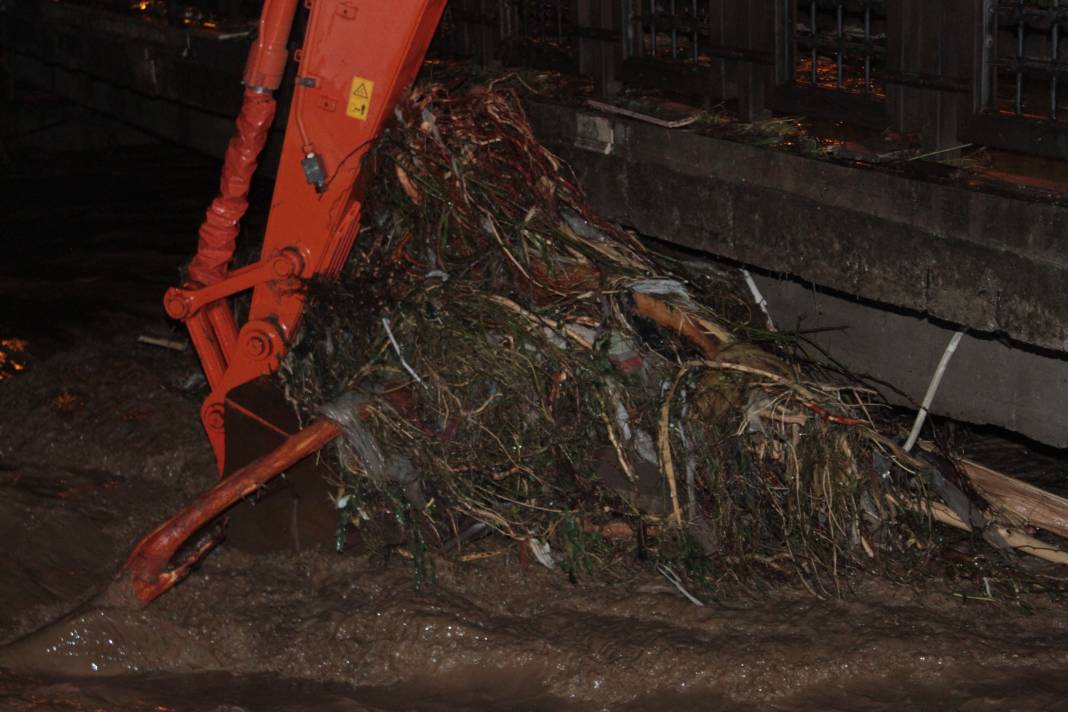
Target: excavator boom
<point x="358" y="59"/>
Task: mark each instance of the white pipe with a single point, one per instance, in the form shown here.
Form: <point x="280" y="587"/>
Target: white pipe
<point x="758" y="298"/>
<point x="397" y="348"/>
<point x="936" y="381"/>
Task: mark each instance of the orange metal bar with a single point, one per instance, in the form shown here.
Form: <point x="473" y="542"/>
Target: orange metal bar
<point x="221" y="317"/>
<point x="358" y="59"/>
<point x="148" y="564"/>
<point x="202" y="334"/>
<point x="182" y="303"/>
<point x="267" y="58"/>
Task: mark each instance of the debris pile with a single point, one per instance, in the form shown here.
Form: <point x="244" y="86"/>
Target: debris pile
<point x="506" y="361"/>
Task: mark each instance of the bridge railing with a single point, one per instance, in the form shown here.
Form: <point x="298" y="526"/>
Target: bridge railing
<point x="989" y="72"/>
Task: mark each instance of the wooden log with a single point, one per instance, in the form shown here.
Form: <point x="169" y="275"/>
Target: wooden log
<point x="1011" y="536"/>
<point x="688" y="326"/>
<point x="1030" y="545"/>
<point x="1018" y="501"/>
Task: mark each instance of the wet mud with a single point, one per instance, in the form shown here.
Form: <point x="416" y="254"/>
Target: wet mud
<point x="100" y="441"/>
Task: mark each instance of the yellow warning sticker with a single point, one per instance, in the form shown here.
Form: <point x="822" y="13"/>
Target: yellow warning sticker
<point x="360" y="98"/>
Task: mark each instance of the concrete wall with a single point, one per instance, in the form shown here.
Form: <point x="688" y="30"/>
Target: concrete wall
<point x="988" y="380"/>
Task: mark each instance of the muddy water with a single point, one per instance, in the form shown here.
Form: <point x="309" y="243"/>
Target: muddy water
<point x="224" y="692"/>
<point x="99" y="440"/>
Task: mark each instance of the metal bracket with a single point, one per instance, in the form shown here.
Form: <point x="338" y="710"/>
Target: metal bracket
<point x="314" y="171"/>
<point x="184" y="302"/>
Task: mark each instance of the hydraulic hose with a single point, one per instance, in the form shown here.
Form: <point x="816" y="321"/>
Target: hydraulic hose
<point x="218" y="233"/>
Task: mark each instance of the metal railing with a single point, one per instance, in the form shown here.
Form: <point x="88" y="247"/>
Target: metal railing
<point x="951" y="71"/>
<point x="839" y="44"/>
<point x="676" y="30"/>
<point x="1023" y="58"/>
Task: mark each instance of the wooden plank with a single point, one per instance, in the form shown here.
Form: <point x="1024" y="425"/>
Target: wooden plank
<point x="1017" y="500"/>
<point x="1009" y="536"/>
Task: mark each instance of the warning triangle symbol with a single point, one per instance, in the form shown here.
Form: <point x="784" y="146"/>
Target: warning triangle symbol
<point x="360" y="92"/>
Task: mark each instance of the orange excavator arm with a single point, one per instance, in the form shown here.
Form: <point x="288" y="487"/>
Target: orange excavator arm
<point x="358" y="57"/>
<point x="357" y="60"/>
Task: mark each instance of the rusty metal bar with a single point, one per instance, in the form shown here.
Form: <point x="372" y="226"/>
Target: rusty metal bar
<point x="653" y="26"/>
<point x="674" y="32"/>
<point x="1014" y="62"/>
<point x="990" y="58"/>
<point x="695" y="38"/>
<point x="867" y="55"/>
<point x="815" y="32"/>
<point x="1011" y="111"/>
<point x="1022" y="19"/>
<point x="847" y="36"/>
<point x="562" y="19"/>
<point x="840" y="31"/>
<point x="1020" y="29"/>
<point x="1054" y="41"/>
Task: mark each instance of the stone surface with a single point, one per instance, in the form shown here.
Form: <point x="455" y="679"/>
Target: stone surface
<point x="988" y="381"/>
